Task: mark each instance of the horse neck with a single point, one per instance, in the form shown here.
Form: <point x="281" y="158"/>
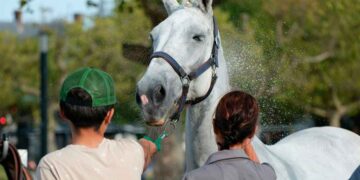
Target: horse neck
<point x="261" y="149"/>
<point x="200" y="139"/>
<point x="207" y="107"/>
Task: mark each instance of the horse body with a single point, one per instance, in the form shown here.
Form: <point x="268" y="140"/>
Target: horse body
<point x="316" y="153"/>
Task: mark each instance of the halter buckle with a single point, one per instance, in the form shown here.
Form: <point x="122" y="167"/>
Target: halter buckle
<point x="185" y="81"/>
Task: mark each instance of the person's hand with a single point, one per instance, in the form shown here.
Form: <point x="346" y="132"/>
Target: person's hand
<point x="149" y="150"/>
<point x="151" y="146"/>
<point x="158" y="140"/>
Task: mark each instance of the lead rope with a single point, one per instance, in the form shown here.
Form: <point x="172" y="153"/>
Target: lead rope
<point x="165" y="133"/>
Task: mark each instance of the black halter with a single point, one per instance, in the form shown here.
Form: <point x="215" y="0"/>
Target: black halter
<point x="185" y="78"/>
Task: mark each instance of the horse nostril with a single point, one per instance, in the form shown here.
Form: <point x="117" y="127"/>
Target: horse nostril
<point x="159" y="94"/>
<point x="162" y="91"/>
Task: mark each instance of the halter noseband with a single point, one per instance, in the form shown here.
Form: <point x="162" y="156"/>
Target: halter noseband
<point x="185" y="78"/>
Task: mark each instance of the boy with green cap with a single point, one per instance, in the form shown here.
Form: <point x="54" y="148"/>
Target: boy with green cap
<point x="87" y="99"/>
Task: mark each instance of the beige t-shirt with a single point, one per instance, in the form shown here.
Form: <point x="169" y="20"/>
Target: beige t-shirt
<point x="120" y="159"/>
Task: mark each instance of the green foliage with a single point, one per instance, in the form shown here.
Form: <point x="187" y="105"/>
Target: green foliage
<point x="310" y="50"/>
<point x="19" y="71"/>
<point x="99" y="46"/>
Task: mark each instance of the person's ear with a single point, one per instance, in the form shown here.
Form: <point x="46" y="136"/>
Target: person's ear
<point x="109" y="116"/>
<point x="62" y="115"/>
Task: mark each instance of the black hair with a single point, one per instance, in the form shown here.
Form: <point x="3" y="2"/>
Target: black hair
<point x="78" y="109"/>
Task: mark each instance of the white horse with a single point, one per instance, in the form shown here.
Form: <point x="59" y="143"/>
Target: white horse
<point x="187" y="36"/>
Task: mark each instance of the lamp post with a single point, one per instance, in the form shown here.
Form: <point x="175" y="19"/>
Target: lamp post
<point x="43" y="90"/>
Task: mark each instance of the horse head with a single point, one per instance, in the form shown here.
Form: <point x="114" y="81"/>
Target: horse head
<point x="183" y="46"/>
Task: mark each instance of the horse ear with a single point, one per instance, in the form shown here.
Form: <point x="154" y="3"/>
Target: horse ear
<point x="204" y="5"/>
<point x="171" y="5"/>
<point x="207" y="5"/>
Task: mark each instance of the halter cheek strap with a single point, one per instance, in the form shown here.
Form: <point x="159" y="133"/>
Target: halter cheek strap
<point x="185" y="78"/>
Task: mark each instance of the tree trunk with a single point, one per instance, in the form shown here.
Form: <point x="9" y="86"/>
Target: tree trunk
<point x="335" y="119"/>
<point x="52" y="126"/>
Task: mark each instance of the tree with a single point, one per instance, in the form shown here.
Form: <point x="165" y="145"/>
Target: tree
<point x="310" y="52"/>
<point x="71" y="47"/>
<point x="323" y="62"/>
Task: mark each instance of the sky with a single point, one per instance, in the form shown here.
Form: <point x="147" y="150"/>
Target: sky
<point x="59" y="9"/>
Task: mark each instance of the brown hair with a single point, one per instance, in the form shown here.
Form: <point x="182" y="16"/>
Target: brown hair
<point x="236" y="118"/>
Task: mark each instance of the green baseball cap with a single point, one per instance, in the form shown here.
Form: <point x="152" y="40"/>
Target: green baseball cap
<point x="97" y="83"/>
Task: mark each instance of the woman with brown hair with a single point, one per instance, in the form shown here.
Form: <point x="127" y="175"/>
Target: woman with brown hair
<point x="235" y="123"/>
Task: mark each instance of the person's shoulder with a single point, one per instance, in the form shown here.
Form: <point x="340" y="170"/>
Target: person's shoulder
<point x="51" y="163"/>
<point x="126" y="144"/>
<point x="206" y="172"/>
<point x="52" y="158"/>
<point x="244" y="167"/>
<point x="130" y="149"/>
<point x="265" y="166"/>
<point x="266" y="170"/>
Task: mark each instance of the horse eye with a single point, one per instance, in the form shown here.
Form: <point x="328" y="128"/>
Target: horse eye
<point x="198" y="38"/>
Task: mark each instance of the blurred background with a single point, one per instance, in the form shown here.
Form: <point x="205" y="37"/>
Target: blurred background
<point x="300" y="58"/>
